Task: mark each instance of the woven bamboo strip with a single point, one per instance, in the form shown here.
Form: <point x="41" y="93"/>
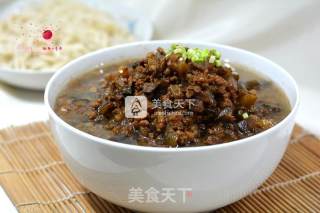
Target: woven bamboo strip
<point x="36" y="179"/>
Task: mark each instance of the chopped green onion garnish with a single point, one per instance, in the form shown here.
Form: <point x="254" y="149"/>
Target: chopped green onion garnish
<point x="218" y="55"/>
<point x="218" y="63"/>
<point x="245" y="115"/>
<point x="196" y="55"/>
<point x="212" y="59"/>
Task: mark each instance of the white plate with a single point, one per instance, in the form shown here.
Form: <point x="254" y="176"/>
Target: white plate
<point x="37" y="80"/>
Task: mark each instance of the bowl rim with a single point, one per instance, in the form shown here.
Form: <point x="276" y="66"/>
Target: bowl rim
<point x="95" y="139"/>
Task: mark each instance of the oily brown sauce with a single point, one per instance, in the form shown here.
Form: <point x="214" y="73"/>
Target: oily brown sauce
<point x="268" y="93"/>
<point x="81" y="90"/>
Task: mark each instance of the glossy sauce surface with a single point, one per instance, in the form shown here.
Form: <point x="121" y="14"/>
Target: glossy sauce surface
<point x="74" y="100"/>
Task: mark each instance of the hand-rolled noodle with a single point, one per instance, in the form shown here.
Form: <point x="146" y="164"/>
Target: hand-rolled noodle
<point x="76" y="29"/>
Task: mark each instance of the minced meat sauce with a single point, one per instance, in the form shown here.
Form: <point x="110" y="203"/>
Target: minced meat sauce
<point x="188" y="103"/>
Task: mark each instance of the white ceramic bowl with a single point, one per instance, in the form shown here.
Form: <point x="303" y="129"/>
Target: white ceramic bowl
<point x="128" y="18"/>
<point x="217" y="175"/>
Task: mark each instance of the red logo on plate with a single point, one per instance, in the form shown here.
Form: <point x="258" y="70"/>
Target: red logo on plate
<point x="47" y="34"/>
<point x="189" y="194"/>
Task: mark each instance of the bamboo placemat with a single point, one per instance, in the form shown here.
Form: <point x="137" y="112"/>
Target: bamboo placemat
<point x="37" y="180"/>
